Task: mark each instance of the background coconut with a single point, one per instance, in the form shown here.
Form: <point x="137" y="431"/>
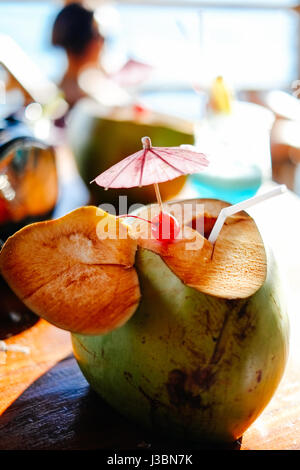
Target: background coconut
<point x="100" y="139"/>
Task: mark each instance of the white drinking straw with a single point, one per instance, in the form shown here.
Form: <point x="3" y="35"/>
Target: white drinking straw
<point x="240" y="206"/>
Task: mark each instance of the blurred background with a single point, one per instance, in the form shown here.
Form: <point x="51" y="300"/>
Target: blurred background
<point x="86" y="80"/>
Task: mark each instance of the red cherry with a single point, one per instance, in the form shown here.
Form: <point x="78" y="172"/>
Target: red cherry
<point x="165" y="227"/>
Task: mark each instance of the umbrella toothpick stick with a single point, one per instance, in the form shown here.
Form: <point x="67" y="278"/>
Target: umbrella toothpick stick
<point x="158" y="196"/>
<point x="146" y="141"/>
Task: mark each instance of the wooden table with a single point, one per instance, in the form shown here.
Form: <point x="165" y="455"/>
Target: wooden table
<point x="45" y="403"/>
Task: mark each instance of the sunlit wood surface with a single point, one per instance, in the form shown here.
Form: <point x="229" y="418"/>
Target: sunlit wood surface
<point x="18" y="371"/>
<point x="46" y="403"/>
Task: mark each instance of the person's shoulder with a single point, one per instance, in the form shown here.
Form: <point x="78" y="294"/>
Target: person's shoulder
<point x="71" y="90"/>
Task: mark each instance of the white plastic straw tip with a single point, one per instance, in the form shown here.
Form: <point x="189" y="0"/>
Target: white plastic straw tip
<point x="14" y="348"/>
<point x="18" y="348"/>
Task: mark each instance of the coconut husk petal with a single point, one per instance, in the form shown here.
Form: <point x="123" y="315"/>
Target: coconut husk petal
<point x="235" y="267"/>
<point x="76" y="272"/>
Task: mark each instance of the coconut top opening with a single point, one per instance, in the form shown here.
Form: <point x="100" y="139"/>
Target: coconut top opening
<point x="78" y="272"/>
<point x="234" y="267"/>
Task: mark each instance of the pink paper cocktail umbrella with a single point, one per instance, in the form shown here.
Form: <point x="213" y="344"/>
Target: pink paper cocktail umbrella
<point x="153" y="165"/>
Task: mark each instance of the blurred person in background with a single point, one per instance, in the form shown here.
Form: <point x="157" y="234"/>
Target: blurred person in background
<point x="76" y="31"/>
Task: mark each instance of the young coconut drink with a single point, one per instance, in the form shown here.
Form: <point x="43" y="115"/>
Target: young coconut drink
<point x="185" y="337"/>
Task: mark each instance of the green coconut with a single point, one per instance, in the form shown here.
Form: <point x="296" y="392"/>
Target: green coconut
<point x="197" y="362"/>
<point x="187" y="339"/>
